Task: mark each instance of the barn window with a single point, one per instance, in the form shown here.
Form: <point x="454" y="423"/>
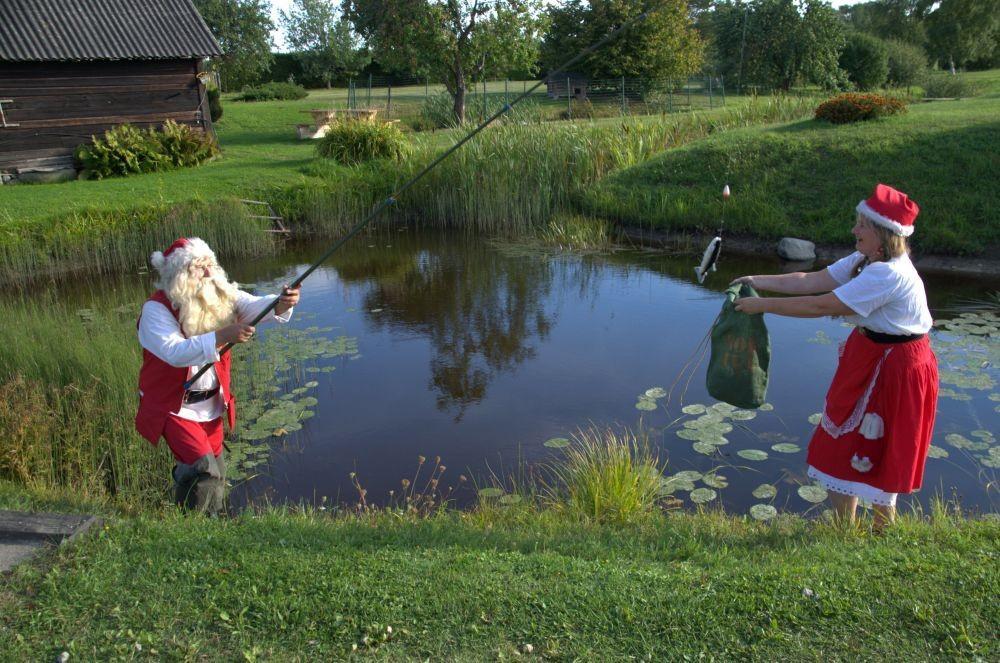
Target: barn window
<point x="3" y="118"/>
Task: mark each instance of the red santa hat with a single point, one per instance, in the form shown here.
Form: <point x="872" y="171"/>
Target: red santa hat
<point x="180" y="253"/>
<point x="890" y="209"/>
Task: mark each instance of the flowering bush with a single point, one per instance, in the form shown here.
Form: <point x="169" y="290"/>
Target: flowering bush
<point x="855" y="107"/>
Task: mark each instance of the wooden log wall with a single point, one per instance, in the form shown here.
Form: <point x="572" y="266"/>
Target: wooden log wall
<point x="60" y="105"/>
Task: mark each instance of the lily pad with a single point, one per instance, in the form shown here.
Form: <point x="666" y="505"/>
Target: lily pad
<point x="786" y="448"/>
<point x="812" y="493"/>
<point x="724" y="408"/>
<point x="815" y="418"/>
<point x="308" y="401"/>
<point x="689" y="434"/>
<point x="715" y="480"/>
<point x="490" y="492"/>
<point x="958" y="441"/>
<point x="752" y="454"/>
<point x="509" y="500"/>
<point x="742" y="415"/>
<point x="688" y="475"/>
<point x="704" y="448"/>
<point x="312" y="384"/>
<point x="936" y="452"/>
<point x="556" y="443"/>
<point x="646" y="405"/>
<point x="763" y="512"/>
<point x="766" y="407"/>
<point x="765" y="491"/>
<point x="694" y="408"/>
<point x="673" y="484"/>
<point x="656" y="392"/>
<point x="982" y="434"/>
<point x="703" y="495"/>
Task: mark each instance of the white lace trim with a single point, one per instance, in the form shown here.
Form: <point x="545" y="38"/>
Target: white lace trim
<point x="864" y="492"/>
<point x="854" y="420"/>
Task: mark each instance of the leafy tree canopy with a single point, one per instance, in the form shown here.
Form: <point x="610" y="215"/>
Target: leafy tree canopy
<point x="664" y="45"/>
<point x="457" y="42"/>
<point x="963" y="31"/>
<point x="325" y="43"/>
<point x="243" y="30"/>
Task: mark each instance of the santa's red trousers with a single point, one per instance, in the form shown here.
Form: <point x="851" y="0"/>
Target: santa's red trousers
<point x="190" y="440"/>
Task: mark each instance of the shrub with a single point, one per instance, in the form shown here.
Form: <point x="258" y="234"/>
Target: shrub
<point x="855" y="107"/>
<point x="866" y="60"/>
<point x="939" y="85"/>
<point x="126" y="150"/>
<point x="907" y="63"/>
<point x="273" y="92"/>
<point x="350" y="142"/>
<point x="438" y="111"/>
<point x="214" y="103"/>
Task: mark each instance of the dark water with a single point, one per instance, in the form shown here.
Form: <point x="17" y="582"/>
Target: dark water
<point x="478" y="353"/>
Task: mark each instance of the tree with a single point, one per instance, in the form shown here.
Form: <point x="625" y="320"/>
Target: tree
<point x="243" y="30"/>
<point x="962" y="31"/>
<point x="456" y="41"/>
<point x="865" y="58"/>
<point x="890" y="19"/>
<point x="326" y="44"/>
<point x="664" y="45"/>
<point x="778" y="43"/>
<point x="907" y="63"/>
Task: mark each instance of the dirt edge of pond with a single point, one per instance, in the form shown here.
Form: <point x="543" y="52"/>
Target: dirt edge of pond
<point x="971" y="266"/>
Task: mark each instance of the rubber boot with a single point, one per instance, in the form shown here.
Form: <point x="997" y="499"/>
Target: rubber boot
<point x="201" y="486"/>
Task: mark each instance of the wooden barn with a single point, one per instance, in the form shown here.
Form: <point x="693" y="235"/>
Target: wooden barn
<point x="561" y="86"/>
<point x="70" y="69"/>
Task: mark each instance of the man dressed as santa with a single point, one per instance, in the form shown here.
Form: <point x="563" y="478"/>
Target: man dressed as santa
<point x="194" y="312"/>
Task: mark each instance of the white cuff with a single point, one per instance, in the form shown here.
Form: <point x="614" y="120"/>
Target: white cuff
<point x="284" y="317"/>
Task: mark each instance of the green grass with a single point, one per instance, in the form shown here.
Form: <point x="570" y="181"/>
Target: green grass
<point x="804" y="178"/>
<point x="482" y="585"/>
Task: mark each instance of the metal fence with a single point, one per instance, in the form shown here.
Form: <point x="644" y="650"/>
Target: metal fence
<point x="557" y="98"/>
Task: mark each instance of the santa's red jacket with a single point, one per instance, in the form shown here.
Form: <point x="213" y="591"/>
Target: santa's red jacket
<point x="161" y="386"/>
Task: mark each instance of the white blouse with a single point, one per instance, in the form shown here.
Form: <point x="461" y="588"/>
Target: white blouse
<point x="160" y="333"/>
<point x="887" y="296"/>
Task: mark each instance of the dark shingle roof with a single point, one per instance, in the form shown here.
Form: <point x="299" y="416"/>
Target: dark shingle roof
<point x="47" y="30"/>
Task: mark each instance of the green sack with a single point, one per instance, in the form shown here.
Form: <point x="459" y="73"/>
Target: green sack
<point x="741" y="353"/>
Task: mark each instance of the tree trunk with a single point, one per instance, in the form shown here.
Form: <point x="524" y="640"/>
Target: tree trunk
<point x="459" y="106"/>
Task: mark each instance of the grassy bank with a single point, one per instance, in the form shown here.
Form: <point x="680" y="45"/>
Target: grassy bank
<point x="510" y="178"/>
<point x="485" y="585"/>
<point x="804" y="178"/>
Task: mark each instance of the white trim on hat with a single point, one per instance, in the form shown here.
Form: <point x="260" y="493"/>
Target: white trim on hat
<point x="865" y="210"/>
<point x="192" y="249"/>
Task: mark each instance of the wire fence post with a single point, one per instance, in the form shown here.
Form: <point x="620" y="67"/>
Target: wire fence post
<point x="624" y="112"/>
<point x="369" y="102"/>
<point x="388" y="98"/>
<point x="687" y="88"/>
<point x="506" y="97"/>
<point x="722" y="87"/>
<point x="670" y="96"/>
<point x="569" y="100"/>
<point x="484" y="100"/>
<point x="710" y="103"/>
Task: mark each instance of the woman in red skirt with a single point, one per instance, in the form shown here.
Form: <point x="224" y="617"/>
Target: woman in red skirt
<point x="872" y="441"/>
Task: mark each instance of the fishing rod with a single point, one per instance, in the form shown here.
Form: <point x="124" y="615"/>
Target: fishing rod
<point x="391" y="200"/>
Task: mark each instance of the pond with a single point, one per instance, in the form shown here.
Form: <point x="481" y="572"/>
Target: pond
<point x="428" y="345"/>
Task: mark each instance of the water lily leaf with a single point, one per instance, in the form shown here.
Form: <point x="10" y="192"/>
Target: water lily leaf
<point x="765" y="491"/>
<point x="718" y="429"/>
<point x="742" y="415"/>
<point x="710" y="438"/>
<point x="763" y="512"/>
<point x="293" y="426"/>
<point x="766" y="407"/>
<point x="990" y="461"/>
<point x="689" y="434"/>
<point x="752" y="454"/>
<point x="703" y="495"/>
<point x="656" y="392"/>
<point x="508" y="500"/>
<point x="307" y="414"/>
<point x="646" y="405"/>
<point x="814" y="419"/>
<point x="786" y="448"/>
<point x="715" y="480"/>
<point x="299" y="390"/>
<point x="958" y="441"/>
<point x="490" y="492"/>
<point x="704" y="448"/>
<point x="812" y="493"/>
<point x="308" y="401"/>
<point x="556" y="443"/>
<point x="694" y="408"/>
<point x="688" y="475"/>
<point x="669" y="486"/>
<point x="255" y="434"/>
<point x="982" y="434"/>
<point x="312" y="384"/>
<point x="724" y="408"/>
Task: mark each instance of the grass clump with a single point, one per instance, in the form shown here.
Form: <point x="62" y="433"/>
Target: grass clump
<point x="275" y="91"/>
<point x="942" y="85"/>
<point x="855" y="107"/>
<point x="125" y="150"/>
<point x="354" y="142"/>
<point x="606" y="476"/>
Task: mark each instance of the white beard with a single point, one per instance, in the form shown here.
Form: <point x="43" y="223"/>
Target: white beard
<point x="206" y="304"/>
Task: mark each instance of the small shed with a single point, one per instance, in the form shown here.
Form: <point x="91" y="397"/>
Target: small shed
<point x="70" y="69"/>
<point x="561" y="86"/>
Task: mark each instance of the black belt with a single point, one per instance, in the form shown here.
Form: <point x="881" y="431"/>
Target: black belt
<point x="879" y="337"/>
<point x="191" y="397"/>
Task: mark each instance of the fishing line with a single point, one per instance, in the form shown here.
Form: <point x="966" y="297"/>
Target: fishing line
<point x="391" y="200"/>
<point x="711" y="255"/>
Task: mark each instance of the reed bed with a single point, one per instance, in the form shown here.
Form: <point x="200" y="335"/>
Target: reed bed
<point x="117" y="241"/>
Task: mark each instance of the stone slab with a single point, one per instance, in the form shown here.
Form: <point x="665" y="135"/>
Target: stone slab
<point x="22" y="534"/>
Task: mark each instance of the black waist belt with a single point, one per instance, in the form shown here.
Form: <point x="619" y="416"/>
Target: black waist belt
<point x="879" y="337"/>
<point x="199" y="396"/>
